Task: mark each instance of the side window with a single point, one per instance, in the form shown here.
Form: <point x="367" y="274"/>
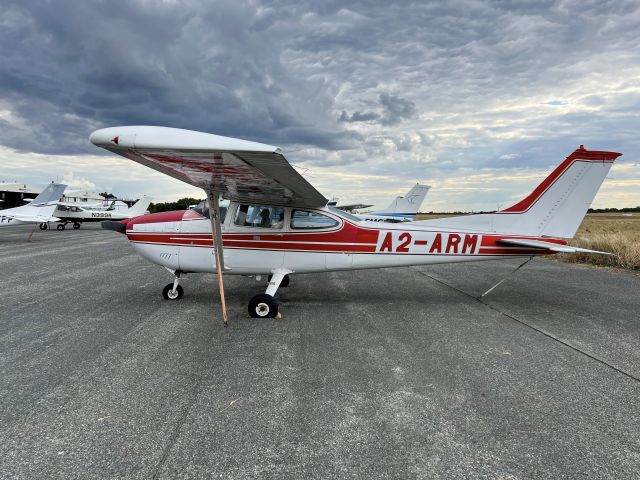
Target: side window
<point x="203" y="209"/>
<point x="306" y="220"/>
<point x="259" y="216"/>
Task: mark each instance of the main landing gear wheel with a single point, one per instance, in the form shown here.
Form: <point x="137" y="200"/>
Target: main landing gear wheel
<point x="263" y="306"/>
<point x="43" y="226"/>
<point x="60" y="226"/>
<point x="76" y="225"/>
<point x="170" y="294"/>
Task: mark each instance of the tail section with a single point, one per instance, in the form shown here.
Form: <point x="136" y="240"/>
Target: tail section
<point x="140" y="207"/>
<point x="41" y="208"/>
<point x="51" y="193"/>
<point x="408" y="205"/>
<point x="555" y="208"/>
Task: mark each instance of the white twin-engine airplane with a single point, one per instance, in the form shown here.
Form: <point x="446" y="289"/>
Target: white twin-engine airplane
<point x="402" y="209"/>
<point x="39" y="210"/>
<point x="277" y="224"/>
<point x="78" y="214"/>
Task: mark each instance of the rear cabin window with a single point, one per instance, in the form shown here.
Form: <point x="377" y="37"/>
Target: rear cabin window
<point x="307" y="220"/>
<point x="259" y="216"/>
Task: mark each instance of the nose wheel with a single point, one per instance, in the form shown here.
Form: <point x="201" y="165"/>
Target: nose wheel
<point x="173" y="291"/>
<point x="43" y="226"/>
<point x="76" y="225"/>
<point x="170" y="293"/>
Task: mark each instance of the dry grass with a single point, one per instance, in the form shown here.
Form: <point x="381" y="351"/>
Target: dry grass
<point x="612" y="233"/>
<point x="607" y="232"/>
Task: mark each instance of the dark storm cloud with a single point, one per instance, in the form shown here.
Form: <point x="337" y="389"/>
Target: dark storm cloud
<point x="358" y="117"/>
<point x="392" y="86"/>
<point x="396" y="109"/>
<point x="73" y="66"/>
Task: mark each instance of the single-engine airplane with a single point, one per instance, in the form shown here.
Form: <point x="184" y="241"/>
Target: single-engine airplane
<point x="38" y="210"/>
<point x="277" y="224"/>
<point x="77" y="214"/>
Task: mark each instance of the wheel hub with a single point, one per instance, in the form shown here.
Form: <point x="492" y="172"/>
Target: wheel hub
<point x="262" y="309"/>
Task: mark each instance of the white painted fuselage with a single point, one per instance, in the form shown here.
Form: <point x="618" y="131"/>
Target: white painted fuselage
<point x="183" y="241"/>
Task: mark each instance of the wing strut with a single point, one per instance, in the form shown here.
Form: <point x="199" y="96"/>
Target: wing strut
<point x="216" y="228"/>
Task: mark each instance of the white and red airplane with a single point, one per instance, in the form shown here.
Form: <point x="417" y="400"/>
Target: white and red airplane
<point x="278" y="224"/>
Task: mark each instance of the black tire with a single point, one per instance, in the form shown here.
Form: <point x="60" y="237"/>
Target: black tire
<point x="166" y="292"/>
<point x="76" y="225"/>
<point x="284" y="283"/>
<point x="43" y="226"/>
<point x="263" y="306"/>
<point x="60" y="226"/>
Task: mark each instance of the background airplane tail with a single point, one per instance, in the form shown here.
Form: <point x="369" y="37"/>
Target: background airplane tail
<point x="555" y="208"/>
<point x="140" y="207"/>
<point x="408" y="204"/>
<point x="51" y="193"/>
<point x="40" y="208"/>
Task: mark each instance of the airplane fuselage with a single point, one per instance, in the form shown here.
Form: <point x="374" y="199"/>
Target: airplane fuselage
<point x="10" y="222"/>
<point x="182" y="241"/>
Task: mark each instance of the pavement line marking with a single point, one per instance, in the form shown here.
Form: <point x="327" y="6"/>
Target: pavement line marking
<point x="536" y="329"/>
<point x="182" y="418"/>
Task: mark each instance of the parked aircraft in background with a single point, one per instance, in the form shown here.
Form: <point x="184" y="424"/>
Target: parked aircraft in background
<point x="278" y="224"/>
<point x="39" y="210"/>
<point x="77" y="214"/>
<point x="401" y="209"/>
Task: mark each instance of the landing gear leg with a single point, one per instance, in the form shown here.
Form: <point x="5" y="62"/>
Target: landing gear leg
<point x="264" y="305"/>
<point x="173" y="291"/>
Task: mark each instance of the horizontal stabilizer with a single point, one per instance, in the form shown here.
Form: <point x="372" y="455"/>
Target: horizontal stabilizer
<point x="554" y="247"/>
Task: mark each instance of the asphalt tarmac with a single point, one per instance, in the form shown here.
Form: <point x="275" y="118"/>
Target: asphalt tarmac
<point x="377" y="374"/>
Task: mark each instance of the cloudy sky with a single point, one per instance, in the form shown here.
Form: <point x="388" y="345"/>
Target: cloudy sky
<point x="478" y="99"/>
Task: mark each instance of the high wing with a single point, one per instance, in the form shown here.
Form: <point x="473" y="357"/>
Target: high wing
<point x="354" y="206"/>
<point x="33" y="218"/>
<point x="554" y="247"/>
<point x="239" y="170"/>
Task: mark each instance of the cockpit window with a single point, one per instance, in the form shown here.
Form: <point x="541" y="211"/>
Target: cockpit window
<point x="203" y="209"/>
<point x="259" y="216"/>
<point x="308" y="220"/>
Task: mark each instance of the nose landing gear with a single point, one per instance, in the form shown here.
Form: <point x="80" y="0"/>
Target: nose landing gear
<point x="173" y="291"/>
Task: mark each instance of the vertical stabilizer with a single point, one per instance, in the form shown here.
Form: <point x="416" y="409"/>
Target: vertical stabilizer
<point x="407" y="205"/>
<point x="554" y="209"/>
<point x="51" y="193"/>
<point x="140" y="207"/>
